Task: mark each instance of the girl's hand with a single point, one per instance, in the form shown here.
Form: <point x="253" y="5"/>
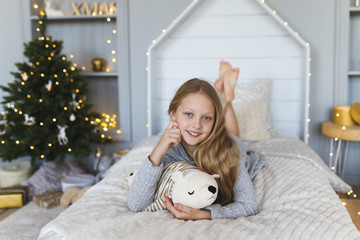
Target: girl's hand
<point x="171" y="136"/>
<point x="180" y="211"/>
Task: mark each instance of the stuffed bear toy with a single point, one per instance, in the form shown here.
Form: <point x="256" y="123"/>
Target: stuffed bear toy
<point x="183" y="183"/>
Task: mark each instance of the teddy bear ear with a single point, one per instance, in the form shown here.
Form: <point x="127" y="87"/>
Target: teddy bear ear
<point x="215" y="176"/>
<point x="177" y="176"/>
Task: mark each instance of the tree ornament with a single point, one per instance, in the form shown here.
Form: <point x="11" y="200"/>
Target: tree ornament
<point x="72" y="117"/>
<point x="75" y="103"/>
<point x="29" y="121"/>
<point x="63" y="140"/>
<point x="25" y="77"/>
<point x="48" y="85"/>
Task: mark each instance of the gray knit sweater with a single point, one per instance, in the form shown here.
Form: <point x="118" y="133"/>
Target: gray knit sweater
<point x="142" y="190"/>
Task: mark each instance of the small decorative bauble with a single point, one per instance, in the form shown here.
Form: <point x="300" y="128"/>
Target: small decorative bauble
<point x="98" y="65"/>
<point x="72" y="117"/>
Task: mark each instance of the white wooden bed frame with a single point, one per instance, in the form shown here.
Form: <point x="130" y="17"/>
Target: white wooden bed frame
<point x="250" y="35"/>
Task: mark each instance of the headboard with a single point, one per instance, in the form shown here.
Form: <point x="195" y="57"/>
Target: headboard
<point x="248" y="34"/>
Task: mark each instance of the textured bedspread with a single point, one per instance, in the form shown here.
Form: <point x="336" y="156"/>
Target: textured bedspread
<point x="295" y="199"/>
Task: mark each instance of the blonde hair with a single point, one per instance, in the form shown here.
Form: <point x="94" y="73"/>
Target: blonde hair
<point x="219" y="153"/>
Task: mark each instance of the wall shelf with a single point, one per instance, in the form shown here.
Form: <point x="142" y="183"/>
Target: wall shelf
<point x="86" y="37"/>
<point x="75" y="17"/>
<point x="100" y="74"/>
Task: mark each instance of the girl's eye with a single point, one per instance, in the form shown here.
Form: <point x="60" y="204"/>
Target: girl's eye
<point x="207" y="118"/>
<point x="191" y="193"/>
<point x="188" y="114"/>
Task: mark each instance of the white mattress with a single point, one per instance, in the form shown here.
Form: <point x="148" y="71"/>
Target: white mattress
<point x="296" y="201"/>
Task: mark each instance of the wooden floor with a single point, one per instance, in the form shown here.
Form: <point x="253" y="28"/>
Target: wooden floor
<point x="6" y="212"/>
<point x="352" y="204"/>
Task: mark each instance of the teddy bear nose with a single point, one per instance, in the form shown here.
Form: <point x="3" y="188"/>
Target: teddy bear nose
<point x="212" y="189"/>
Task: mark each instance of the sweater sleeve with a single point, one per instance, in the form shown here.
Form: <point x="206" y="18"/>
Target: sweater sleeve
<point x="142" y="190"/>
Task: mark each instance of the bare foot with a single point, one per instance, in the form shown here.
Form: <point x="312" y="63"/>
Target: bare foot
<point x="224" y="67"/>
<point x="230" y="79"/>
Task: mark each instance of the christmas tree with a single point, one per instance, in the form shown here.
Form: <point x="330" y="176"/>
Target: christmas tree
<point x="45" y="115"/>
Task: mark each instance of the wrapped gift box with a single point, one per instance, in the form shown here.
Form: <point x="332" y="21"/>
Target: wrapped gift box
<point x="11" y="197"/>
<point x="48" y="200"/>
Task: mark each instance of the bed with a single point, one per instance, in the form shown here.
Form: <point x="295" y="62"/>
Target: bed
<point x="295" y="192"/>
<point x="295" y="200"/>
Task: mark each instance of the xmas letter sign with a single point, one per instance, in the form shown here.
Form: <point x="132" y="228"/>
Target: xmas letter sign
<point x="83" y="8"/>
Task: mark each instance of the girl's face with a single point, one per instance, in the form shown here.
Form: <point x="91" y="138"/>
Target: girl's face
<point x="195" y="116"/>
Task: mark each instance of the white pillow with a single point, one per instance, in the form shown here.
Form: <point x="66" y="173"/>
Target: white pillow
<point x="252" y="109"/>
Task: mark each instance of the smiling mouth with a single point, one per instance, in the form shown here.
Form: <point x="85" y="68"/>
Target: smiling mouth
<point x="194" y="134"/>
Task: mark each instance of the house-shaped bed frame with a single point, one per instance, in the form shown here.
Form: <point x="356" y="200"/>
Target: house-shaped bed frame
<point x="248" y="34"/>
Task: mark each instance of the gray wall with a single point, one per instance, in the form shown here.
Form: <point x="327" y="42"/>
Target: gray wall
<point x="314" y="20"/>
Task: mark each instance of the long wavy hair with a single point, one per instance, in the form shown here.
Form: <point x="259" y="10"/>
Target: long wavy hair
<point x="219" y="153"/>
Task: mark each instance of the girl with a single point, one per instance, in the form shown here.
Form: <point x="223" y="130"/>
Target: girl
<point x="199" y="133"/>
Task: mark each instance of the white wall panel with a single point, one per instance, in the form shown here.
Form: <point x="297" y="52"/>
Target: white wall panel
<point x="251" y="47"/>
<point x="240" y="25"/>
<point x="208" y="68"/>
<point x="228" y="7"/>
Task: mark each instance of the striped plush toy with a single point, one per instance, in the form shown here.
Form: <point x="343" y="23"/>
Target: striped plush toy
<point x="186" y="184"/>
